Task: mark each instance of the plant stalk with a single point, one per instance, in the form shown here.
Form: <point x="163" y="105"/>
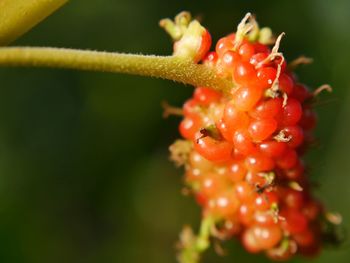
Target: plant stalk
<point x="19" y="16"/>
<point x="165" y="67"/>
<point x="193" y="246"/>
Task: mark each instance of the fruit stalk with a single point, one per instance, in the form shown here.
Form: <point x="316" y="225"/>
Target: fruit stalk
<point x="165" y="67"/>
<point x="18" y="16"/>
<point x="193" y="246"/>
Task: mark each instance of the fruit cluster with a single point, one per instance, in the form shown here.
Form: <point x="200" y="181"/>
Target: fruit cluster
<point x="243" y="147"/>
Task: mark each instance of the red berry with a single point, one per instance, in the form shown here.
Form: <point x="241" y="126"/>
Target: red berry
<point x="230" y="227"/>
<point x="277" y="61"/>
<point x="245" y="97"/>
<point x="205" y="96"/>
<point x="296" y="135"/>
<point x="291" y="113"/>
<point x="199" y="162"/>
<point x="189" y="126"/>
<point x="244" y="191"/>
<point x="265" y="218"/>
<point x="287" y="160"/>
<point x="246" y="213"/>
<point x="260" y="130"/>
<point x="204" y="47"/>
<point x="224" y="44"/>
<point x="285" y="83"/>
<point x="301" y="93"/>
<point x="233" y="118"/>
<point x="305" y="239"/>
<point x="293" y="199"/>
<point x="260" y="48"/>
<point x="225" y="204"/>
<point x="244" y="73"/>
<point x="211" y="184"/>
<point x="308" y="119"/>
<point x="312" y="210"/>
<point x="259" y="163"/>
<point x="237" y="171"/>
<point x="257" y="237"/>
<point x="214" y="113"/>
<point x="212" y="149"/>
<point x="193" y="175"/>
<point x="243" y="143"/>
<point x="246" y="50"/>
<point x="256" y="179"/>
<point x="295" y="222"/>
<point x="267" y="108"/>
<point x="257" y="58"/>
<point x="224" y="130"/>
<point x="266" y="76"/>
<point x="230" y="59"/>
<point x="250" y="241"/>
<point x="265" y="200"/>
<point x="272" y="148"/>
<point x="296" y="172"/>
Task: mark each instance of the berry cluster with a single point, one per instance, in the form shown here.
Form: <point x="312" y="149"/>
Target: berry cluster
<point x="243" y="147"/>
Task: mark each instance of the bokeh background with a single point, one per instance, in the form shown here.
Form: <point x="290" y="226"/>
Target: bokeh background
<point x="84" y="170"/>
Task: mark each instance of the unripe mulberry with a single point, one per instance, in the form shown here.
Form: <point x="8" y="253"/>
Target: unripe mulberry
<point x="244" y="163"/>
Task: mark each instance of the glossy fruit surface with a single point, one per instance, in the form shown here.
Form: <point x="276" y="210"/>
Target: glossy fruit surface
<point x="246" y="150"/>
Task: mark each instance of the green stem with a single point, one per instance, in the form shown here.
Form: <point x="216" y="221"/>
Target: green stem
<point x="203" y="241"/>
<point x="18" y="16"/>
<point x="194" y="246"/>
<point x="168" y="67"/>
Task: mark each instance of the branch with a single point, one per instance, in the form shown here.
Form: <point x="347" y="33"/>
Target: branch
<point x="19" y="16"/>
<point x="165" y="67"/>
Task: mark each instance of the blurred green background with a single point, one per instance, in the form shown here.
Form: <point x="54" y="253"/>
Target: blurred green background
<point x="84" y="172"/>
